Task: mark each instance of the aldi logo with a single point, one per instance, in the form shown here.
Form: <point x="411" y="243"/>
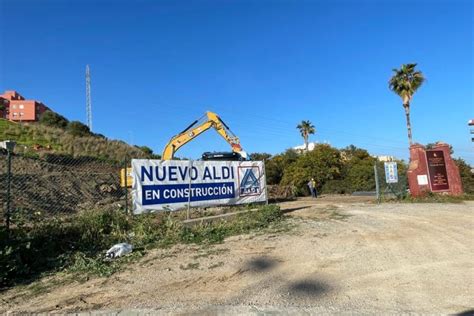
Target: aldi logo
<point x="250" y="184"/>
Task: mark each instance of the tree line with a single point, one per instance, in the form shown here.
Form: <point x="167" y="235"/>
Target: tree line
<point x="335" y="170"/>
<point x="341" y="171"/>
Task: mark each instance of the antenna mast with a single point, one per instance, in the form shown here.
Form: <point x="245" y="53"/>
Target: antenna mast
<point x="88" y="98"/>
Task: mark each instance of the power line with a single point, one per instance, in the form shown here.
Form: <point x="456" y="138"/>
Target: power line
<point x="274" y="128"/>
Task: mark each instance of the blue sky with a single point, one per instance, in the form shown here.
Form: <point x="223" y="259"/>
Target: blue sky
<point x="262" y="65"/>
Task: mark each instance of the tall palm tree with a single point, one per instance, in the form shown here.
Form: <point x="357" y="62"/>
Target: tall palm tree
<point x="404" y="82"/>
<point x="306" y="128"/>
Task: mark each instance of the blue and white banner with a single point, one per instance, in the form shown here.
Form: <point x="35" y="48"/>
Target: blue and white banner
<point x="172" y="184"/>
<point x="391" y="173"/>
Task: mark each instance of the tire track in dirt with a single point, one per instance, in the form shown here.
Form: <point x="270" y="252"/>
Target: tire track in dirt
<point x="392" y="257"/>
<point x="427" y="241"/>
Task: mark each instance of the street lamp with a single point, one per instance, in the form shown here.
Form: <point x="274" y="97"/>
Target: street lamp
<point x="9" y="146"/>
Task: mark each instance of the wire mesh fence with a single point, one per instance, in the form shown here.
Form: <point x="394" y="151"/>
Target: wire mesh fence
<point x="57" y="185"/>
<point x="397" y="189"/>
<point x="52" y="185"/>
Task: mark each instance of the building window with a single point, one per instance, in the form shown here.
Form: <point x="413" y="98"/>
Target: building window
<point x="14" y="106"/>
<point x="21" y="106"/>
<point x="21" y="113"/>
<point x="15" y="114"/>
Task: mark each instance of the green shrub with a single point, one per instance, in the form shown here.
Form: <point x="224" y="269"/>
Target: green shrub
<point x="53" y="119"/>
<point x="147" y="150"/>
<point x="323" y="164"/>
<point x="101" y="229"/>
<point x="467" y="177"/>
<point x="336" y="186"/>
<point x="76" y="128"/>
<point x="276" y="166"/>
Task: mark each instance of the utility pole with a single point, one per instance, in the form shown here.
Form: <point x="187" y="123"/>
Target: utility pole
<point x="88" y="98"/>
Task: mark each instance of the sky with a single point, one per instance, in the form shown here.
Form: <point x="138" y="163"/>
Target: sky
<point x="263" y="66"/>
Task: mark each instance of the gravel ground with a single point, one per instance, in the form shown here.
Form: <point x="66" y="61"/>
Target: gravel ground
<point x="341" y="255"/>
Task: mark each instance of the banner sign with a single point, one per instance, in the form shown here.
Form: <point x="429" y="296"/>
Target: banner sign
<point x="391" y="172"/>
<point x="172" y="184"/>
<point x="437" y="170"/>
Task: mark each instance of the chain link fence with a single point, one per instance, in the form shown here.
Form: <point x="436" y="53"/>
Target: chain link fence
<point x="57" y="185"/>
<point x="61" y="185"/>
<point x="396" y="190"/>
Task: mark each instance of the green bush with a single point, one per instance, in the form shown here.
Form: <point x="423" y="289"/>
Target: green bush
<point x="337" y="171"/>
<point x="147" y="150"/>
<point x="467" y="177"/>
<point x="323" y="164"/>
<point x="53" y="119"/>
<point x="276" y="166"/>
<point x="336" y="186"/>
<point x="260" y="156"/>
<point x="76" y="128"/>
<point x="101" y="229"/>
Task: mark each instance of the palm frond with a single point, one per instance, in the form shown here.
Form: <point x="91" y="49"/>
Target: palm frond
<point x="406" y="81"/>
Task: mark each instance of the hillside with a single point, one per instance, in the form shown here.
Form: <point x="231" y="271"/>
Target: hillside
<point x="36" y="139"/>
<point x="54" y="172"/>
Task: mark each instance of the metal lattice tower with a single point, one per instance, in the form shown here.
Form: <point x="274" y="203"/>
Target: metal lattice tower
<point x="88" y="98"/>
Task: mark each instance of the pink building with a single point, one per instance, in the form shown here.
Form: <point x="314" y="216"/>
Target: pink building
<point x="20" y="110"/>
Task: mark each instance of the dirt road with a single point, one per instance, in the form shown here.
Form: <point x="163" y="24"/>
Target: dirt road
<point x="341" y="255"/>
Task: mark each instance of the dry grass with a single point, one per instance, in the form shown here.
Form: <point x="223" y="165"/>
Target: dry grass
<point x="59" y="141"/>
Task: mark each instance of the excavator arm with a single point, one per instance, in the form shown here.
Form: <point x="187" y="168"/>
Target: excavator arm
<point x="197" y="128"/>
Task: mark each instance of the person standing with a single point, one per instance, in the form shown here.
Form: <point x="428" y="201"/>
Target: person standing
<point x="312" y="187"/>
<point x="315" y="193"/>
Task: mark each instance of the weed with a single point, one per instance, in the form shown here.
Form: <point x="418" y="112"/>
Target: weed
<point x="153" y="258"/>
<point x="211" y="252"/>
<point x="279" y="227"/>
<point x="81" y="263"/>
<point x="77" y="244"/>
<point x="190" y="266"/>
<point x="338" y="216"/>
<point x="216" y="265"/>
<point x="439" y="198"/>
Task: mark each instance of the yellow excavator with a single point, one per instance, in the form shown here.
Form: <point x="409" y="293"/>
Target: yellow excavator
<point x="207" y="121"/>
<point x="210" y="119"/>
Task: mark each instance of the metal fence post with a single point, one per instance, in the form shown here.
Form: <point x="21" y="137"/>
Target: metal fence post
<point x="189" y="189"/>
<point x="266" y="189"/>
<point x="9" y="171"/>
<point x="126" y="184"/>
<point x="377" y="187"/>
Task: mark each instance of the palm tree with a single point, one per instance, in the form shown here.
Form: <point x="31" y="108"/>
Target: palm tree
<point x="306" y="128"/>
<point x="405" y="82"/>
